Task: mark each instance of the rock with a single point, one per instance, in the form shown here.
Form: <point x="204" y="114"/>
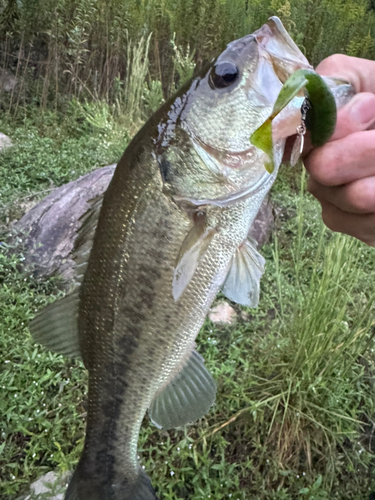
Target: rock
<point x="5" y="141"/>
<point x="50" y="487"/>
<point x="222" y="313"/>
<point x="7" y="81"/>
<point x="51" y="226"/>
<point x="245" y="316"/>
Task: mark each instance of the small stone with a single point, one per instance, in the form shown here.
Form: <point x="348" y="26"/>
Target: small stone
<point x="245" y="315"/>
<point x="51" y="484"/>
<point x="222" y="313"/>
<point x="5" y="141"/>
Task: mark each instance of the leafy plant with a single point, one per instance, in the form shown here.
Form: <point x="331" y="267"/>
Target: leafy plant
<point x="314" y="492"/>
<point x="153" y="96"/>
<point x="184" y="63"/>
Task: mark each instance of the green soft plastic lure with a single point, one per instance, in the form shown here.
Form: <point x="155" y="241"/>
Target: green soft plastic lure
<point x="320" y="118"/>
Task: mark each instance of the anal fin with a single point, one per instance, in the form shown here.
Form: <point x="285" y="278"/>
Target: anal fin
<point x="186" y="398"/>
<point x="242" y="284"/>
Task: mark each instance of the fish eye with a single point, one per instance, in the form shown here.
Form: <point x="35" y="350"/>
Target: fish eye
<point x="224" y="74"/>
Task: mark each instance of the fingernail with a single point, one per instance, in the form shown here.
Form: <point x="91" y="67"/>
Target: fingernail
<point x="362" y="108"/>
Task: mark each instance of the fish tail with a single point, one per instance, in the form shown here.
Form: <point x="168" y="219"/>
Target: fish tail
<point x="140" y="489"/>
<point x="72" y="491"/>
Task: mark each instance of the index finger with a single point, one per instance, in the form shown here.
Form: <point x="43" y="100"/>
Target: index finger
<point x="358" y="72"/>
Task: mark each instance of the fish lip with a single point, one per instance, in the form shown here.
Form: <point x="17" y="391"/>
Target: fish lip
<point x="290" y="55"/>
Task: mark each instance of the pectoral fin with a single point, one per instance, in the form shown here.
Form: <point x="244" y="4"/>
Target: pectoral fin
<point x="242" y="284"/>
<point x="56" y="327"/>
<point x="186" y="398"/>
<point x="192" y="249"/>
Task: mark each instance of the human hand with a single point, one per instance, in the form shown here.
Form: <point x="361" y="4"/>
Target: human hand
<point x="342" y="172"/>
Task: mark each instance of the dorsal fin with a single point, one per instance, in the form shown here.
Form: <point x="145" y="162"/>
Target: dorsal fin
<point x="56" y="327"/>
<point x="85" y="237"/>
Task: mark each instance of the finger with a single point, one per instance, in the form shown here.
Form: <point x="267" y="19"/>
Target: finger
<point x="344" y="160"/>
<point x="361" y="227"/>
<point x="357" y="197"/>
<point x="357" y="115"/>
<point x="359" y="72"/>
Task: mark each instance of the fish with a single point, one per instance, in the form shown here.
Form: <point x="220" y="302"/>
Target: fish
<point x="170" y="232"/>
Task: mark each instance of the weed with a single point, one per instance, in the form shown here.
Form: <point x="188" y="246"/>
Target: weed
<point x="42" y="394"/>
<point x="38" y="163"/>
<point x="153" y="96"/>
<point x="86" y="49"/>
<point x="136" y="71"/>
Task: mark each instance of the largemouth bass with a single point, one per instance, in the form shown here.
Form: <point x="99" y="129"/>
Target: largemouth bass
<point x="151" y="256"/>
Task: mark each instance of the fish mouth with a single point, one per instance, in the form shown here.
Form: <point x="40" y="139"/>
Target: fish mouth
<point x="282" y="51"/>
<point x="232" y="160"/>
<point x="275" y="39"/>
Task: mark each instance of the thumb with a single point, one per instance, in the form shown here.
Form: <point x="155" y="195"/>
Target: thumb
<point x="357" y="115"/>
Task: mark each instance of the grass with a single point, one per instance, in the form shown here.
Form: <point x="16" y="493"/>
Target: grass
<point x="293" y="417"/>
<point x="82" y="48"/>
<point x="51" y="150"/>
<point x="35" y="385"/>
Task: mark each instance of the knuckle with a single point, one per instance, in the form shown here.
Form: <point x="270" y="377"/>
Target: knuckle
<point x="324" y="164"/>
<point x="361" y="196"/>
<point x="333" y="63"/>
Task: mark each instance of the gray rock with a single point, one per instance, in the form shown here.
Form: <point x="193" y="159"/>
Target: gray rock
<point x="5" y="141"/>
<point x="50" y="228"/>
<point x="49" y="487"/>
